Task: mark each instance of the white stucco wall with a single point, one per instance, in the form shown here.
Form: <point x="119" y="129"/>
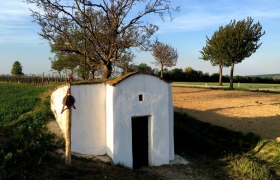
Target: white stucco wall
<point x="56" y="106"/>
<point x="126" y="104"/>
<point x="88" y="120"/>
<point x="171" y="124"/>
<point x="109" y="120"/>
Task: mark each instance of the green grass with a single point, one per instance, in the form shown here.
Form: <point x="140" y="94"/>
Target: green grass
<point x="243" y="167"/>
<point x="262" y="162"/>
<point x="241" y="85"/>
<point x="16" y="100"/>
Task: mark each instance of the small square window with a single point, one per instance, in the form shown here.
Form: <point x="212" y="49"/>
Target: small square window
<point x="141" y="97"/>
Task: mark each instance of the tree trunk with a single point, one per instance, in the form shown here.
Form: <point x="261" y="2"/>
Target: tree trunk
<point x="231" y="76"/>
<point x="107" y="70"/>
<point x="161" y="72"/>
<point x="220" y="75"/>
<point x="92" y="72"/>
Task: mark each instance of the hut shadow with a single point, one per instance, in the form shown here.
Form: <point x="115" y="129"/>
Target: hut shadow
<point x="194" y="137"/>
<point x="266" y="127"/>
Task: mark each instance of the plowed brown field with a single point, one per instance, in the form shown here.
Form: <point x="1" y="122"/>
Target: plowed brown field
<point x="236" y="110"/>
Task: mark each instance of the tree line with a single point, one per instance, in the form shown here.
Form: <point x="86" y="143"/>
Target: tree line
<point x="17" y="76"/>
<point x="189" y="74"/>
<point x="37" y="80"/>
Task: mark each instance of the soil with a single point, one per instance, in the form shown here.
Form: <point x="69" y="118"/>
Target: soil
<point x="244" y="111"/>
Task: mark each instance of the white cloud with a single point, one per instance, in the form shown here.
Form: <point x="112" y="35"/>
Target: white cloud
<point x="16" y="23"/>
<point x="13" y="10"/>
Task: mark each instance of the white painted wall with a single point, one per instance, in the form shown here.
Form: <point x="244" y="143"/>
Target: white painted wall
<point x="109" y="120"/>
<point x="56" y="106"/>
<point x="171" y="124"/>
<point x="89" y="119"/>
<point x="126" y="104"/>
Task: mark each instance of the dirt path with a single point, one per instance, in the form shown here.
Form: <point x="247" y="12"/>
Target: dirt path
<point x="236" y="110"/>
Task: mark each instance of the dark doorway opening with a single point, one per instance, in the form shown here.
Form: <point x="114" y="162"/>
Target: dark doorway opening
<point x="140" y="141"/>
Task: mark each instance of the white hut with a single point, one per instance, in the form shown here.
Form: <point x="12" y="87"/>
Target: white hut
<point x="130" y="119"/>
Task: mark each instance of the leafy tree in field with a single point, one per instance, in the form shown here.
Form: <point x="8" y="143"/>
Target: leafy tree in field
<point x="208" y="53"/>
<point x="99" y="30"/>
<point x="165" y="56"/>
<point x="233" y="43"/>
<point x="17" y="68"/>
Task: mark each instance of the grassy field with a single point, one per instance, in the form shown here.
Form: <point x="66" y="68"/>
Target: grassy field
<point x="236" y="85"/>
<point x="24" y="141"/>
<point x="28" y="150"/>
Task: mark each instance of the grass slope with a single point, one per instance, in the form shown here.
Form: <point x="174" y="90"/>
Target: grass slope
<point x="16" y="100"/>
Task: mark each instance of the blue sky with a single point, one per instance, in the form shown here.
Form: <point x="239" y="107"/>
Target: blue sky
<point x="19" y="39"/>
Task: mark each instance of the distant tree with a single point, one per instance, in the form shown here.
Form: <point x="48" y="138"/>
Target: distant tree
<point x="165" y="56"/>
<point x="17" y="68"/>
<point x="83" y="72"/>
<point x="65" y="62"/>
<point x="193" y="75"/>
<point x="57" y="66"/>
<point x="177" y="74"/>
<point x="188" y="70"/>
<point x="144" y="68"/>
<point x="125" y="62"/>
<point x="233" y="43"/>
<point x="99" y="30"/>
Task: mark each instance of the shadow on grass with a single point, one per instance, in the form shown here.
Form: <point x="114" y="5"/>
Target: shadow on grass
<point x="195" y="137"/>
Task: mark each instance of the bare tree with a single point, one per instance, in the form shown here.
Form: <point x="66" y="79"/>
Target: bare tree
<point x="99" y="30"/>
<point x="165" y="56"/>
